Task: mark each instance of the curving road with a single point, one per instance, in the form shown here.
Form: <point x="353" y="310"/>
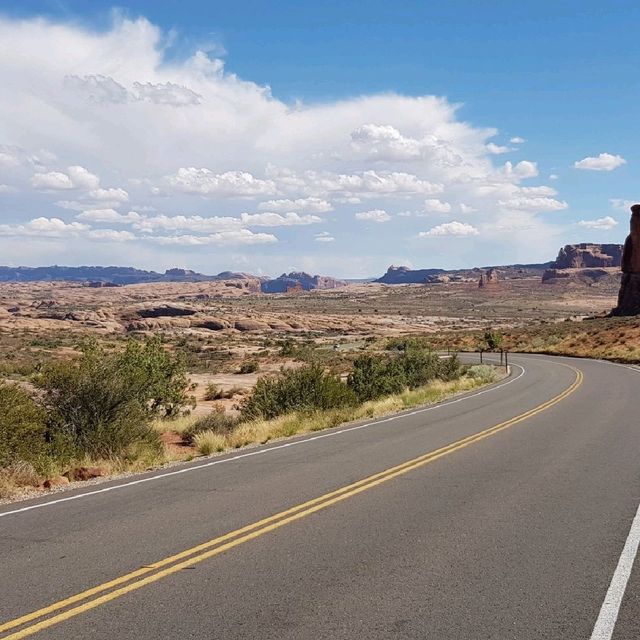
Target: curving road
<point x="503" y="514"/>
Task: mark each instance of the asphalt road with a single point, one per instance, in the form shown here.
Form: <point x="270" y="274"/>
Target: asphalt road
<point x="514" y="533"/>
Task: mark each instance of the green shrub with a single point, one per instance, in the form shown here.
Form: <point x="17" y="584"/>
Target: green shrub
<point x="420" y="367"/>
<point x="490" y="341"/>
<point x="158" y="377"/>
<point x="482" y="372"/>
<point x="449" y="368"/>
<point x="309" y="388"/>
<point x="250" y="366"/>
<point x="102" y="403"/>
<point x="287" y="348"/>
<point x="376" y="376"/>
<point x="22" y="426"/>
<point x="212" y="392"/>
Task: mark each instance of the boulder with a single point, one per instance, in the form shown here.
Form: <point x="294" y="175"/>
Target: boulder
<point x="152" y="324"/>
<point x="629" y="296"/>
<point x="211" y="323"/>
<point x="279" y="325"/>
<point x="251" y="325"/>
<point x="86" y="473"/>
<point x="165" y="310"/>
<point x="56" y="481"/>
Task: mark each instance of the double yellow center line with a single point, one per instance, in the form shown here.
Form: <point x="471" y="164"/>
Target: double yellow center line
<point x="101" y="594"/>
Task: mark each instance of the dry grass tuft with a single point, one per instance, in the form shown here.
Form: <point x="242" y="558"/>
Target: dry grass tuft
<point x="15" y="477"/>
<point x="179" y="424"/>
<point x="208" y="442"/>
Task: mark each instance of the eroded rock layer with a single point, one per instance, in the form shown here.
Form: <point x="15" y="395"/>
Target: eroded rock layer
<point x="629" y="296"/>
<point x="588" y="256"/>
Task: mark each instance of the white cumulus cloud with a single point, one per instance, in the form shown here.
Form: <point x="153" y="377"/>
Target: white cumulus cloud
<point x="601" y="162"/>
<point x="604" y="224"/>
<point x="497" y="149"/>
<point x="523" y="169"/>
<point x="309" y="205"/>
<point x="375" y="215"/>
<point x="453" y="228"/>
<point x="224" y="238"/>
<point x="230" y="183"/>
<point x="433" y="205"/>
<point x="109" y="215"/>
<point x="271" y="219"/>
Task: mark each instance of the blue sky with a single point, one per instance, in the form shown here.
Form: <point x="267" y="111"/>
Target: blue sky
<point x="360" y="167"/>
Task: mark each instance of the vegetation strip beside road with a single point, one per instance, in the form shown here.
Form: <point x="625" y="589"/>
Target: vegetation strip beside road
<point x="190" y="557"/>
<point x="99" y="413"/>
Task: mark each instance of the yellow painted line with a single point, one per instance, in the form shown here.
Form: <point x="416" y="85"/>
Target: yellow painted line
<point x="235" y="538"/>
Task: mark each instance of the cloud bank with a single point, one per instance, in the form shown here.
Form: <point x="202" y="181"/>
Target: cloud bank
<point x="169" y="158"/>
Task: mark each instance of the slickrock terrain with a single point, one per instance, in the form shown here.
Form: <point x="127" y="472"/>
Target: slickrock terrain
<point x="629" y="296"/>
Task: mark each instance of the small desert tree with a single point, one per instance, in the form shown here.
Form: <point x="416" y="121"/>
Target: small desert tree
<point x="102" y="403"/>
<point x="22" y="426"/>
<point x="492" y="340"/>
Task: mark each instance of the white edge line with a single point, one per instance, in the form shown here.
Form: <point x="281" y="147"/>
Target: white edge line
<point x="608" y="616"/>
<point x="212" y="463"/>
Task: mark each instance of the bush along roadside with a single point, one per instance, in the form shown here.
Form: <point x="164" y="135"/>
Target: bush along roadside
<point x="103" y="408"/>
<point x="96" y="407"/>
<point x="311" y="398"/>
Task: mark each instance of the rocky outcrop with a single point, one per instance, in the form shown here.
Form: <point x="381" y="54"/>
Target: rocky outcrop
<point x="155" y="324"/>
<point x="211" y="323"/>
<point x="585" y="256"/>
<point x="581" y="276"/>
<point x="488" y="278"/>
<point x="629" y="296"/>
<point x="300" y="281"/>
<point x="405" y="275"/>
<point x="85" y="473"/>
<point x="251" y="325"/>
<point x="165" y="311"/>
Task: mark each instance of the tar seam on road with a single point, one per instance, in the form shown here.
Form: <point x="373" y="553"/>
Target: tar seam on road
<point x="235" y="538"/>
<point x="608" y="616"/>
<point x="250" y="454"/>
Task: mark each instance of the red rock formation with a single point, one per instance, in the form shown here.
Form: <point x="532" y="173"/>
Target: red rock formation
<point x="585" y="255"/>
<point x="488" y="277"/>
<point x="629" y="296"/>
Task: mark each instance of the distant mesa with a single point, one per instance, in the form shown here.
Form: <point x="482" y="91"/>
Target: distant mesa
<point x="116" y="276"/>
<point x="586" y="256"/>
<point x="300" y="281"/>
<point x="629" y="295"/>
<point x="487" y="275"/>
<point x="405" y="275"/>
<point x="587" y="263"/>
